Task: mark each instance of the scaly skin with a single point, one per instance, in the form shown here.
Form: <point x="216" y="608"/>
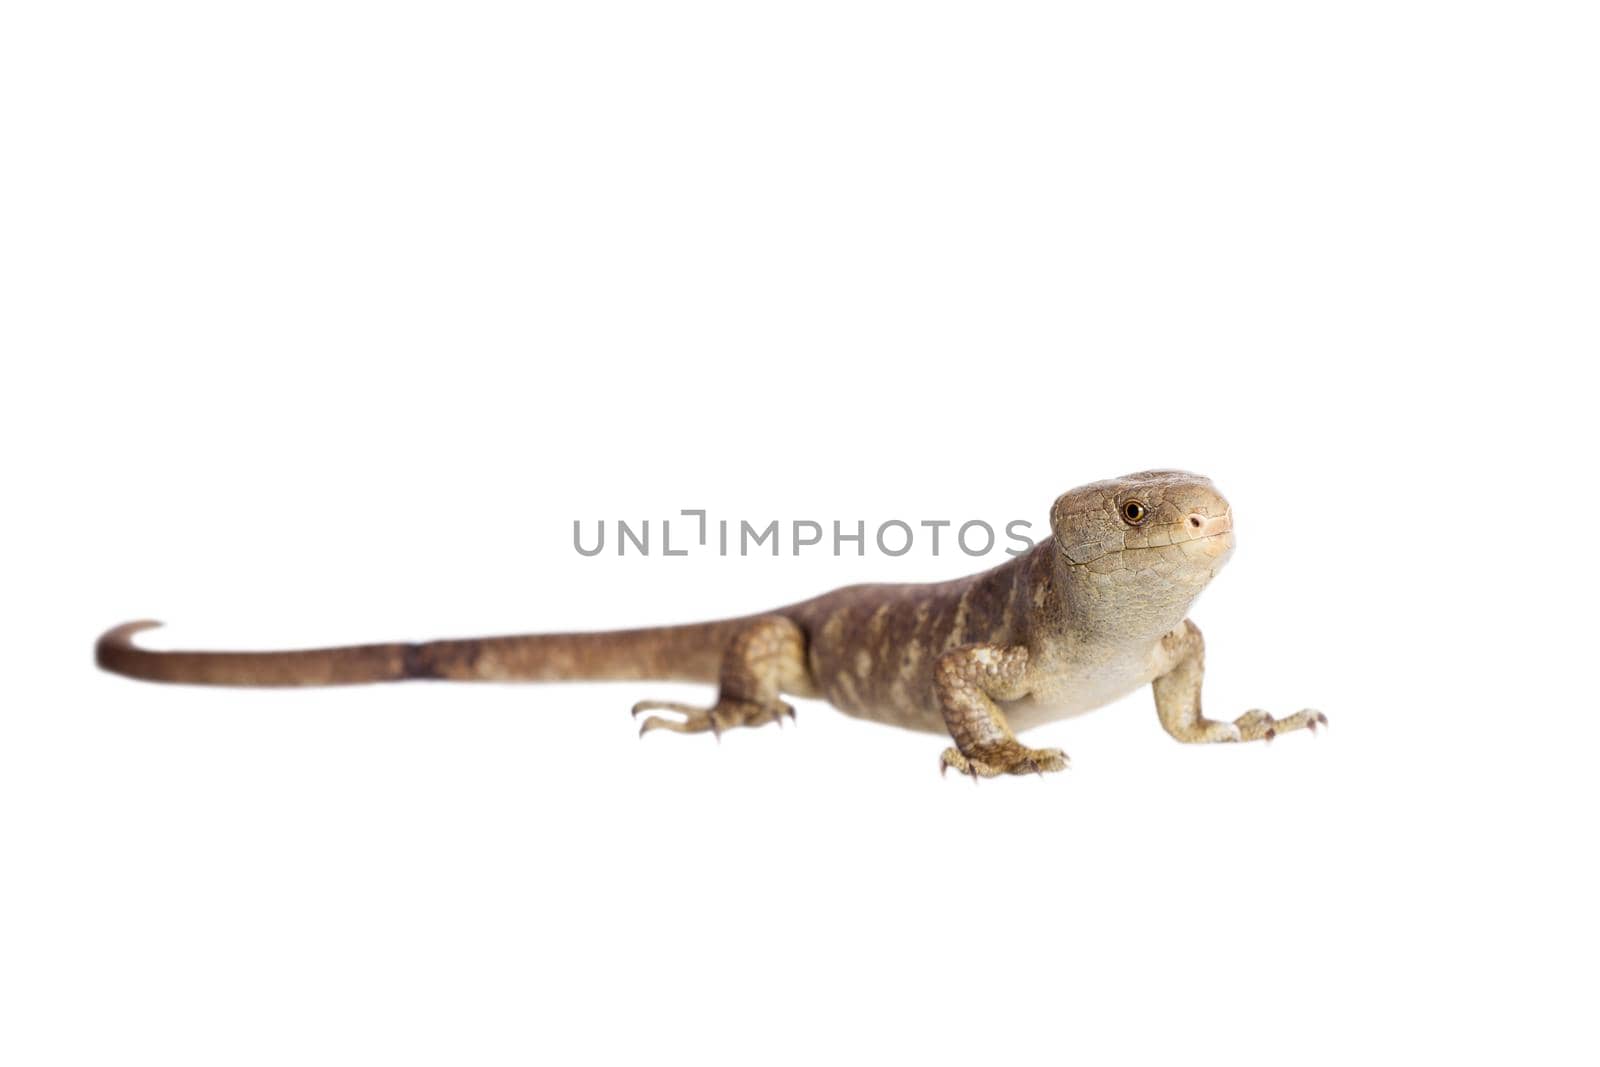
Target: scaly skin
<point x="1091" y="613"/>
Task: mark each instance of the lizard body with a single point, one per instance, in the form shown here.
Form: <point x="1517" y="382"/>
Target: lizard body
<point x="1094" y="611"/>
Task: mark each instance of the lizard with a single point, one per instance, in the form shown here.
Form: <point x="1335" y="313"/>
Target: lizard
<point x="1092" y="612"/>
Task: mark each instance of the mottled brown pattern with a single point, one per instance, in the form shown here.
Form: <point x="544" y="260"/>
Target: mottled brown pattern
<point x="1093" y="612"/>
<point x="872" y="648"/>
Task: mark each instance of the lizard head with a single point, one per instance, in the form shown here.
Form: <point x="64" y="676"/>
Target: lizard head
<point x="1155" y="536"/>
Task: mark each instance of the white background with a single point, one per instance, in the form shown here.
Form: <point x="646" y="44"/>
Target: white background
<point x="323" y="322"/>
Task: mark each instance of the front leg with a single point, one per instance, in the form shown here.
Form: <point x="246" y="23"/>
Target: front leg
<point x="967" y="682"/>
<point x="1178" y="699"/>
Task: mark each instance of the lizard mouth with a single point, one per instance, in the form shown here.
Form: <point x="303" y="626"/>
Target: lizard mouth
<point x="1216" y="544"/>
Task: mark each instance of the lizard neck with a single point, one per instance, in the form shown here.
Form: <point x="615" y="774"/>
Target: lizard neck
<point x="1118" y="605"/>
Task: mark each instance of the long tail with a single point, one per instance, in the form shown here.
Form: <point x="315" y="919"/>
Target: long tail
<point x="672" y="653"/>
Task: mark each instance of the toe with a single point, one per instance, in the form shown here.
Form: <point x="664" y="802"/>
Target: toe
<point x="1040" y="760"/>
<point x="656" y="722"/>
<point x="663" y="705"/>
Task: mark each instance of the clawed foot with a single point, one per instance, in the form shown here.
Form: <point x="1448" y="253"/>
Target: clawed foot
<point x="1257" y="725"/>
<point x="1003" y="757"/>
<point x="724" y="715"/>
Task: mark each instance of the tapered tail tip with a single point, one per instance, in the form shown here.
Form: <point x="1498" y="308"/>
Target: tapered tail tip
<point x="119" y="638"/>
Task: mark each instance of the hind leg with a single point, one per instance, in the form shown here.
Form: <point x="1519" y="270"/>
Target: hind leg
<point x="762" y="660"/>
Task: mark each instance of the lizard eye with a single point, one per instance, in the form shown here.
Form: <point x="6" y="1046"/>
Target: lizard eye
<point x="1133" y="512"/>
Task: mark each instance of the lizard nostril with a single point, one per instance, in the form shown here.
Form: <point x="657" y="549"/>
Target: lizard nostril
<point x="1196" y="521"/>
